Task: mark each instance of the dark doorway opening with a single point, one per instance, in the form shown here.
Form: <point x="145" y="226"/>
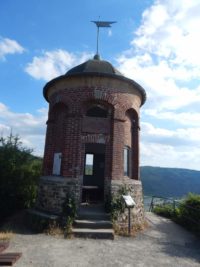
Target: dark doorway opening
<point x="93" y="179"/>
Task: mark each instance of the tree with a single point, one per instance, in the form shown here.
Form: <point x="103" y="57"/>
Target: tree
<point x="19" y="173"/>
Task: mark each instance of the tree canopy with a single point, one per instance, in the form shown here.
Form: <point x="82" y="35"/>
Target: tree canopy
<point x="19" y="173"/>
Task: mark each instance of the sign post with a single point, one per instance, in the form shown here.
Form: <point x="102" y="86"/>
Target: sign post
<point x="130" y="203"/>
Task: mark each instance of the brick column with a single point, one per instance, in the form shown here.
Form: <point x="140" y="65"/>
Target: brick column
<point x="117" y="149"/>
<point x="48" y="151"/>
<point x="72" y="151"/>
<point x="135" y="151"/>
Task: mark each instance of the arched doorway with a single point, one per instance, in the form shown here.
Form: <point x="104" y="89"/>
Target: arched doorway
<point x="94" y="172"/>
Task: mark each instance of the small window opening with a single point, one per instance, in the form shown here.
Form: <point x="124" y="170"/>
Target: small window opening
<point x="97" y="112"/>
<point x="57" y="163"/>
<point x="126" y="161"/>
<point x="89" y="161"/>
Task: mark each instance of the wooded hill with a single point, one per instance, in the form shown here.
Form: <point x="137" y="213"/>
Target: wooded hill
<point x="169" y="182"/>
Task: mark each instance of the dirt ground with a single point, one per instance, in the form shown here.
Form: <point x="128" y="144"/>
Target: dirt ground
<point x="163" y="243"/>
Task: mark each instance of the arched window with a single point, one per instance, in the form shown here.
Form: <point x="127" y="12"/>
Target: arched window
<point x="131" y="149"/>
<point x="97" y="111"/>
<point x="58" y="116"/>
<point x="58" y="112"/>
<point x="127" y="158"/>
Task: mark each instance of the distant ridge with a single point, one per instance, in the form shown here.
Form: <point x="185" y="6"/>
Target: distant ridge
<point x="169" y="182"/>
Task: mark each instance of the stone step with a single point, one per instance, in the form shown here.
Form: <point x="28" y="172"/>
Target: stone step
<point x="93" y="224"/>
<point x="93" y="233"/>
<point x="93" y="212"/>
<point x="93" y="216"/>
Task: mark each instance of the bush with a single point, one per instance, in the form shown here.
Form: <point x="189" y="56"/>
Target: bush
<point x="117" y="205"/>
<point x="189" y="215"/>
<point x="20" y="171"/>
<point x="165" y="210"/>
<point x="69" y="212"/>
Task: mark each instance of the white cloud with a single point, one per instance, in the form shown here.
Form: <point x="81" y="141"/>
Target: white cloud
<point x="164" y="58"/>
<point x="175" y="148"/>
<point x="191" y="119"/>
<point x="170" y="29"/>
<point x="54" y="63"/>
<point x="109" y="32"/>
<point x="8" y="46"/>
<point x="161" y="82"/>
<point x="30" y="128"/>
<point x="164" y="55"/>
<point x="186" y="137"/>
<point x="163" y="155"/>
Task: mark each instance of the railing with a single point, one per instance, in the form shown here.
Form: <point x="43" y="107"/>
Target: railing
<point x="150" y="202"/>
<point x="158" y="200"/>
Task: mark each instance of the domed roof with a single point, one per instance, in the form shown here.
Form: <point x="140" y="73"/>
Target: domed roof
<point x="94" y="65"/>
<point x="99" y="68"/>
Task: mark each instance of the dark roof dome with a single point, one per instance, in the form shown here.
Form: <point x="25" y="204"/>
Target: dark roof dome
<point x="94" y="65"/>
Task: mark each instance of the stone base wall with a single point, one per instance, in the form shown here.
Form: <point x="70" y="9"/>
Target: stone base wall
<point x="134" y="188"/>
<point x="53" y="191"/>
<point x="107" y="190"/>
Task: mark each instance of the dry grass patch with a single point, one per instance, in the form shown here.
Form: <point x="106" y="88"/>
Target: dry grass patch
<point x="135" y="229"/>
<point x="6" y="236"/>
<point x="54" y="230"/>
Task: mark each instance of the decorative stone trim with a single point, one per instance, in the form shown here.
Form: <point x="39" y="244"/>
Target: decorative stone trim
<point x="95" y="138"/>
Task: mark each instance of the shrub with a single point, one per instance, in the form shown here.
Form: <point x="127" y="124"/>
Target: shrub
<point x="117" y="205"/>
<point x="19" y="176"/>
<point x="189" y="215"/>
<point x="165" y="210"/>
<point x="69" y="212"/>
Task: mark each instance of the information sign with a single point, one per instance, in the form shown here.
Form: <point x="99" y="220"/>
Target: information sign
<point x="129" y="201"/>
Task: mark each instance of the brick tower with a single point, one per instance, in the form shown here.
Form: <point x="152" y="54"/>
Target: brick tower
<point x="92" y="138"/>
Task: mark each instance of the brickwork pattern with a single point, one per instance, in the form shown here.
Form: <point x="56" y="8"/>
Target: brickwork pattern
<point x="78" y="129"/>
<point x="69" y="130"/>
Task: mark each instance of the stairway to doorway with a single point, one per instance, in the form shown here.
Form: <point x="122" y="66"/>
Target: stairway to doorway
<point x="93" y="222"/>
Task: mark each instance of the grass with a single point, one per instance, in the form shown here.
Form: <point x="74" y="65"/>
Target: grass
<point x="135" y="229"/>
<point x="54" y="230"/>
<point x="6" y="236"/>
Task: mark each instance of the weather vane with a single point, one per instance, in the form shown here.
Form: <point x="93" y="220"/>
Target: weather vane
<point x="102" y="24"/>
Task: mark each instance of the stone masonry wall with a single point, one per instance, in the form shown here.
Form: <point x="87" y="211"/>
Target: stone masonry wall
<point x="53" y="191"/>
<point x="137" y="213"/>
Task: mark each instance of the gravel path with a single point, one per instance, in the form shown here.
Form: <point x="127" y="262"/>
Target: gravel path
<point x="163" y="244"/>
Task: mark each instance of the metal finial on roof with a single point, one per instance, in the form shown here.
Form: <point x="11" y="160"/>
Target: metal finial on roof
<point x="97" y="57"/>
<point x="101" y="24"/>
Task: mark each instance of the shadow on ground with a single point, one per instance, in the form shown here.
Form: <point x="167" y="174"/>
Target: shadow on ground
<point x="173" y="239"/>
<point x="16" y="224"/>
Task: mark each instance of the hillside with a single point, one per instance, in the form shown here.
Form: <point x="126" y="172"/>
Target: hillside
<point x="169" y="182"/>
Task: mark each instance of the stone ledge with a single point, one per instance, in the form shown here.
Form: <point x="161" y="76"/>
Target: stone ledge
<point x="126" y="181"/>
<point x="58" y="179"/>
<point x="43" y="214"/>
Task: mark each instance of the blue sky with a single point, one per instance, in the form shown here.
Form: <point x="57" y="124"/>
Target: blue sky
<point x="154" y="42"/>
